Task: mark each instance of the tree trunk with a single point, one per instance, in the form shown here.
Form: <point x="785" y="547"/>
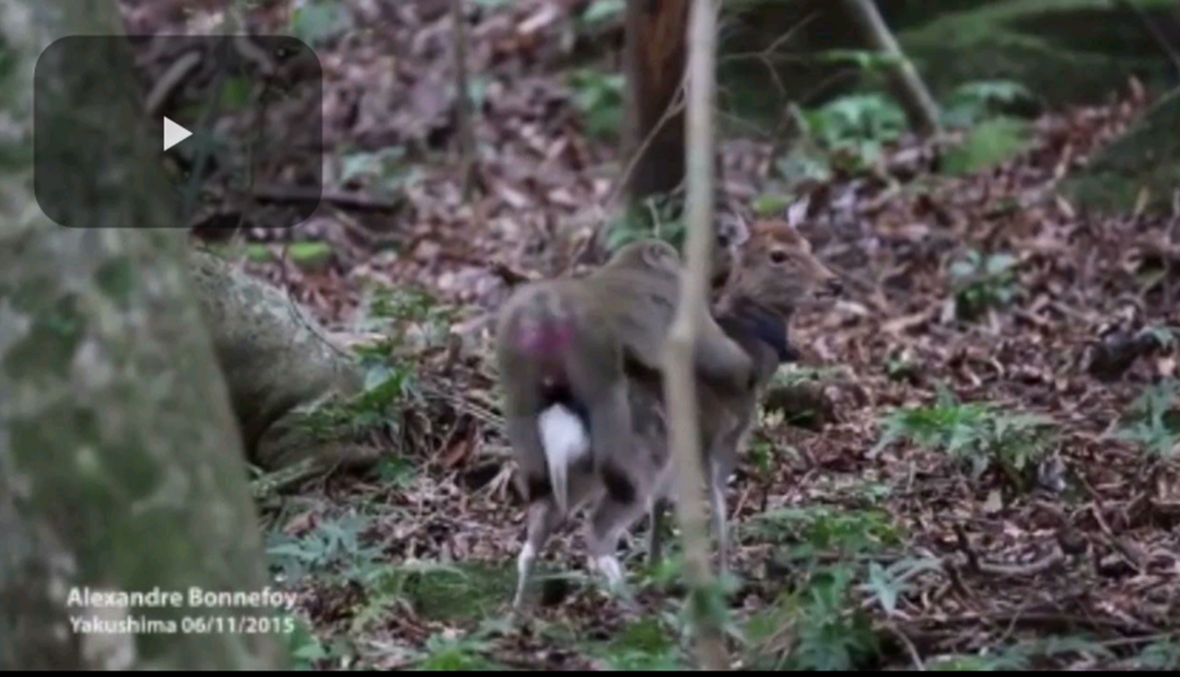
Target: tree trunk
<point x="120" y="465"/>
<point x="656" y="54"/>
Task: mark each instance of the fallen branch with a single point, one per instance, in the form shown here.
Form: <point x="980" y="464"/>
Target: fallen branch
<point x="297" y="194"/>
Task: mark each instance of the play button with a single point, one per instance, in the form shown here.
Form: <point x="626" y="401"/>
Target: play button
<point x="174" y="133"/>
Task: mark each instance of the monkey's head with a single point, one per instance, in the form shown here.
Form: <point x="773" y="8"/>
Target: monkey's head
<point x="779" y="270"/>
<point x="647" y="254"/>
<point x="732" y="232"/>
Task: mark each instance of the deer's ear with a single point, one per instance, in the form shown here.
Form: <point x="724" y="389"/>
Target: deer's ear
<point x="797" y="212"/>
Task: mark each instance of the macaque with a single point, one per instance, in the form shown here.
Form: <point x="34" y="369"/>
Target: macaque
<point x="563" y="350"/>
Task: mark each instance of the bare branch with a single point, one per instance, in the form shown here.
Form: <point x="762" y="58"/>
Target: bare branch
<point x="680" y="385"/>
<point x="465" y="117"/>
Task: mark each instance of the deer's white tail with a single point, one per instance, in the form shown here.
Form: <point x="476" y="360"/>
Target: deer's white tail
<point x="565" y="440"/>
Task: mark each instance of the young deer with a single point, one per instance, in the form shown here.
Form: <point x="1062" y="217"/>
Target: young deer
<point x="776" y="270"/>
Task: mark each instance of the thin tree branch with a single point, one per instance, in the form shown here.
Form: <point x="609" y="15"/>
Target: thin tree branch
<point x="1152" y="29"/>
<point x="680" y="385"/>
<point x="465" y="117"/>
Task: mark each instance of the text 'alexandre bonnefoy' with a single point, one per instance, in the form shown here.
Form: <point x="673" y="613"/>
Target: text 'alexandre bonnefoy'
<point x="192" y="597"/>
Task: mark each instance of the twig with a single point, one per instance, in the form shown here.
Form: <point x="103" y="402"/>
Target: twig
<point x="766" y="55"/>
<point x="1016" y="570"/>
<point x="294" y="307"/>
<point x="674" y="107"/>
<point x="1154" y="30"/>
<point x="466" y="120"/>
<point x="1039" y="618"/>
<point x="1169" y="261"/>
<point x="168" y="82"/>
<point x="680" y="386"/>
<point x="909" y="647"/>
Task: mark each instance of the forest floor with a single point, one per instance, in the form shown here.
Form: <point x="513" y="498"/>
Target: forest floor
<point x="975" y="492"/>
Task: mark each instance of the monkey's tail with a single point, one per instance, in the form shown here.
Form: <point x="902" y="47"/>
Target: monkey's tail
<point x="565" y="440"/>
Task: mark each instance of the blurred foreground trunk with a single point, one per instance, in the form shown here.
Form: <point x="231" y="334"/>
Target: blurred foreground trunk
<point x="120" y="464"/>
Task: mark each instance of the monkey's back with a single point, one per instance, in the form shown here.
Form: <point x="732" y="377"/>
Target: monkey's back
<point x="552" y="336"/>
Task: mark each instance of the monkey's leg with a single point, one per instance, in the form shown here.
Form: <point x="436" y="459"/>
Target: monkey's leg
<point x="717" y="476"/>
<point x="610" y="518"/>
<point x="655" y="539"/>
<point x="543" y="519"/>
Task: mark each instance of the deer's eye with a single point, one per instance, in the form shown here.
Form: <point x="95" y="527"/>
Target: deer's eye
<point x="778" y="256"/>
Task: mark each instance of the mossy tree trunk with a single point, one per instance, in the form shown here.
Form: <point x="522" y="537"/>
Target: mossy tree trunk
<point x="120" y="464"/>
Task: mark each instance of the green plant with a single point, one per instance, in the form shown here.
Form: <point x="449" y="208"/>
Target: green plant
<point x="762" y="456"/>
<point x="445" y="652"/>
<point x="854" y="129"/>
<point x="648" y="644"/>
<point x="599" y="98"/>
<point x="435" y="591"/>
<point x="980" y="282"/>
<point x="822" y="528"/>
<point x="886" y="584"/>
<point x="398" y="472"/>
<point x="975" y="433"/>
<point x="972" y="102"/>
<point x="1023" y="656"/>
<point x="1161" y="655"/>
<point x="656" y="216"/>
<point x="307" y="650"/>
<point x="797" y="374"/>
<point x="771" y="205"/>
<point x="833" y="634"/>
<point x="318" y="21"/>
<point x="988" y="145"/>
<point x="413" y="308"/>
<point x="383" y="171"/>
<point x="1164" y="336"/>
<point x="819" y="628"/>
<point x="599" y="14"/>
<point x="870" y="61"/>
<point x="1154" y="420"/>
<point x="902" y="367"/>
<point x="388" y="386"/>
<point x="334" y="548"/>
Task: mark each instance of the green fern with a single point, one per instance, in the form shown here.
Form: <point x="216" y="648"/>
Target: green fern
<point x="1154" y="420"/>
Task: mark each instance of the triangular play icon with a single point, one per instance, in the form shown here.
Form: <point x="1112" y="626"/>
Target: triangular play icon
<point x="174" y="133"/>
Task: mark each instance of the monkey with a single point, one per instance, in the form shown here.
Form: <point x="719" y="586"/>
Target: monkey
<point x="562" y="350"/>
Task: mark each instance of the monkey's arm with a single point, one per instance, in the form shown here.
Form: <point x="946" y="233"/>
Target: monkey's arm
<point x="641" y="309"/>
